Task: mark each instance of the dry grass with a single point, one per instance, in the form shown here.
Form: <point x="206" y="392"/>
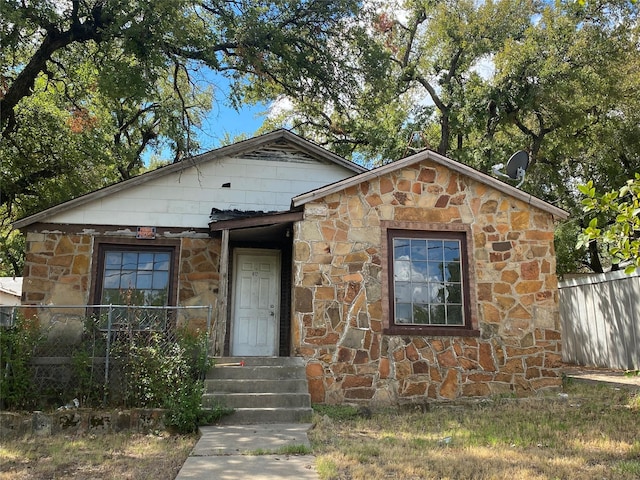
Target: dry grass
<point x="91" y="457"/>
<point x="593" y="434"/>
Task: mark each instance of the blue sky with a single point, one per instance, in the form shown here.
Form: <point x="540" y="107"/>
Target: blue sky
<point x="223" y="119"/>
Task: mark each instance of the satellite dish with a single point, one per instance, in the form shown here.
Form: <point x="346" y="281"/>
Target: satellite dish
<point x="516" y="167"/>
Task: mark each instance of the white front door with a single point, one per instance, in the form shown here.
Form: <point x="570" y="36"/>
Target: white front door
<point x="256" y="309"/>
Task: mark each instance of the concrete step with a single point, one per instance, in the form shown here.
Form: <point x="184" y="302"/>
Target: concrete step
<point x="257" y="400"/>
<point x="246" y="416"/>
<point x="266" y="372"/>
<point x="261" y="390"/>
<point x="227" y="385"/>
<point x="261" y="361"/>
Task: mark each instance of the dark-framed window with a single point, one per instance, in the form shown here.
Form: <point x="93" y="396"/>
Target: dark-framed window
<point x="133" y="276"/>
<point x="136" y="274"/>
<point x="428" y="281"/>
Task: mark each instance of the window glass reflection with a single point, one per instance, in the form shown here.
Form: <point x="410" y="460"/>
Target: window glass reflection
<point x="427" y="275"/>
<point x="136" y="277"/>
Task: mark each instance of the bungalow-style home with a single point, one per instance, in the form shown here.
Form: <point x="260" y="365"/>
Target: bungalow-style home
<point x="420" y="279"/>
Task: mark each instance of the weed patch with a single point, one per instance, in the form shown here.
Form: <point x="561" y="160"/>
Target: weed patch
<point x="338" y="412"/>
<point x="284" y="450"/>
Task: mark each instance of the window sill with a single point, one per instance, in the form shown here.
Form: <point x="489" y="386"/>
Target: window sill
<point x="431" y="331"/>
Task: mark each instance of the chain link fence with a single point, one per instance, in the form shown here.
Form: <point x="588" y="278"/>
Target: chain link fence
<point x="99" y="355"/>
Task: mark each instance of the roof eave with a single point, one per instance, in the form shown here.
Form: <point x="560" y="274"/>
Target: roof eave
<point x="222" y="152"/>
<point x="276" y="218"/>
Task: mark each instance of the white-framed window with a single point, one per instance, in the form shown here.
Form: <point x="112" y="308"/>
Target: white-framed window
<point x="427" y="281"/>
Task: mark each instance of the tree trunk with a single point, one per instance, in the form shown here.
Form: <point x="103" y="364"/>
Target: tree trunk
<point x="594" y="257"/>
<point x="445" y="132"/>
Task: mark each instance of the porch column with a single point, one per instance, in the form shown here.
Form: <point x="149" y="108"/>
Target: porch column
<point x="220" y="325"/>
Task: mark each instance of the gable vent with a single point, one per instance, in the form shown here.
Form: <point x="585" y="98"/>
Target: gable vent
<point x="282" y="152"/>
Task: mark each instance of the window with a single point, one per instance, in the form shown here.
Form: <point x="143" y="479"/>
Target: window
<point x="140" y="278"/>
<point x="136" y="277"/>
<point x="428" y="282"/>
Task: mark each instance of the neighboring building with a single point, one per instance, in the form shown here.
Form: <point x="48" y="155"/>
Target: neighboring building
<point x="10" y="290"/>
<point x="421" y="279"/>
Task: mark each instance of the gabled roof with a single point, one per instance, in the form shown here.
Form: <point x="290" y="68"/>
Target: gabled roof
<point x="279" y="141"/>
<point x="441" y="160"/>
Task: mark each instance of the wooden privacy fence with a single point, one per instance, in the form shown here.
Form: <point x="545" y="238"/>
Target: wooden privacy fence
<point x="600" y="317"/>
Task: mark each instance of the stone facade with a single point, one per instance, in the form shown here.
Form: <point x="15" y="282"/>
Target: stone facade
<point x="58" y="271"/>
<point x="198" y="282"/>
<point x="340" y="288"/>
<point x="340" y="307"/>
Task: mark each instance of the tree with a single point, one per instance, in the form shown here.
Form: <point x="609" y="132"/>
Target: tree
<point x="421" y="61"/>
<point x="615" y="222"/>
<point x="87" y="88"/>
<point x="568" y="91"/>
<point x="144" y="53"/>
<point x="559" y="80"/>
<point x="281" y="41"/>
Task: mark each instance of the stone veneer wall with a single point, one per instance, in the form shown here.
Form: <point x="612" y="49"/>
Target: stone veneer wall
<point x="338" y="268"/>
<point x="58" y="272"/>
<point x="57" y="269"/>
<point x="199" y="277"/>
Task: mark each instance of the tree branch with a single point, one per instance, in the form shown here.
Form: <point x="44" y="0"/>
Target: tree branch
<point x="53" y="41"/>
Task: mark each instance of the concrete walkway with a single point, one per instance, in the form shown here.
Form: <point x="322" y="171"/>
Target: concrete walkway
<point x="602" y="376"/>
<point x="234" y="452"/>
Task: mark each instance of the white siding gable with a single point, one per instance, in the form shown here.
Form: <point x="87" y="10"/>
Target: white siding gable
<point x="264" y="180"/>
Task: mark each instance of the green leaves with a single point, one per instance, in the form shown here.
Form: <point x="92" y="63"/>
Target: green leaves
<point x="17" y="345"/>
<point x="588" y="190"/>
<point x="89" y="89"/>
<point x="480" y="80"/>
<point x="620" y="230"/>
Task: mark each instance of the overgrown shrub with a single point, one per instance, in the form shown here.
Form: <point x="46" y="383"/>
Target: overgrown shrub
<point x="162" y="373"/>
<point x="184" y="409"/>
<point x="17" y="345"/>
<point x="89" y="386"/>
<point x="147" y="369"/>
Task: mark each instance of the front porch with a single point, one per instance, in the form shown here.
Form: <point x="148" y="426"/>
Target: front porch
<point x="255" y="284"/>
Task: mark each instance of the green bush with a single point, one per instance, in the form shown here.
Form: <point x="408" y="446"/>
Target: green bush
<point x="184" y="409"/>
<point x="17" y="344"/>
<point x="162" y="373"/>
<point x="88" y="374"/>
<point x="89" y="388"/>
<point x="155" y="369"/>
